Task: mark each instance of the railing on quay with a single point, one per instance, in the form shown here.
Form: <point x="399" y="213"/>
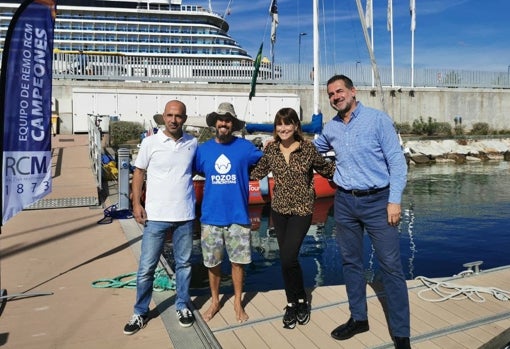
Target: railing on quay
<point x="159" y="69"/>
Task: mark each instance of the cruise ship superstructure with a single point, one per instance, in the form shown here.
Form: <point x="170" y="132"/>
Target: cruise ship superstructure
<point x="124" y="34"/>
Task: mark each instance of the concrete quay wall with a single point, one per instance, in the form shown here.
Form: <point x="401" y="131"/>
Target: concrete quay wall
<point x="491" y="106"/>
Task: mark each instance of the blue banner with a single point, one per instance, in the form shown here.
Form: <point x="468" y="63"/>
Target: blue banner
<point x="25" y="106"/>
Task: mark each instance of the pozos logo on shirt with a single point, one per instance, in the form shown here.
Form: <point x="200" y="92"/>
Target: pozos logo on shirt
<point x="223" y="166"/>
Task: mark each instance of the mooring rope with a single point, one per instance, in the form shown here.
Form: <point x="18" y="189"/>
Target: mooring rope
<point x="161" y="281"/>
<point x="447" y="290"/>
<point x="111" y="213"/>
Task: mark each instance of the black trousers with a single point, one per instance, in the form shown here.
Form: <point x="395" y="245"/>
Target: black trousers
<point x="290" y="233"/>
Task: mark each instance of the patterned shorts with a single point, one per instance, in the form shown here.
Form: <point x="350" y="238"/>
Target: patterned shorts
<point x="234" y="238"/>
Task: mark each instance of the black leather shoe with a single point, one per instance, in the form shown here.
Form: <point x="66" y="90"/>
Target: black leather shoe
<point x="349" y="329"/>
<point x="402" y="343"/>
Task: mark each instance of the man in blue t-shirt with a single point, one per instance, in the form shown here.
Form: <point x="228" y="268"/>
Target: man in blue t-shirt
<point x="225" y="162"/>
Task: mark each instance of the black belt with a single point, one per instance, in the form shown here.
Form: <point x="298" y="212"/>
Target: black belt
<point x="356" y="192"/>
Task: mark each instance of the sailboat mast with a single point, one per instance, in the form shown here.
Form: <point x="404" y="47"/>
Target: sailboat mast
<point x="371" y="53"/>
<point x="316" y="71"/>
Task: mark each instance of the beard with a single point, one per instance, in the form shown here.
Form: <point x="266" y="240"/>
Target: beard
<point x="223" y="136"/>
<point x="344" y="110"/>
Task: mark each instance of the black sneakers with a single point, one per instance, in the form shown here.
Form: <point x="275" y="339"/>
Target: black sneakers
<point x="136" y="323"/>
<point x="302" y="312"/>
<point x="185" y="317"/>
<point x="296" y="313"/>
<point x="289" y="318"/>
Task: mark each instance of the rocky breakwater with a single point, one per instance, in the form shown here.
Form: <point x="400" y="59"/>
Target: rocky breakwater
<point x="456" y="150"/>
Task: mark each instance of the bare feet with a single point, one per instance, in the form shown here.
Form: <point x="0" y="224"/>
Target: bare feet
<point x="240" y="314"/>
<point x="209" y="314"/>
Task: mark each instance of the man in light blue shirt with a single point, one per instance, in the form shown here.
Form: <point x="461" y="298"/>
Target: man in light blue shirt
<point x="371" y="176"/>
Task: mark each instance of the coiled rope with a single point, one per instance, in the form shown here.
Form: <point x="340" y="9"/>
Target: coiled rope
<point x="447" y="290"/>
<point x="111" y="213"/>
<point x="161" y="281"/>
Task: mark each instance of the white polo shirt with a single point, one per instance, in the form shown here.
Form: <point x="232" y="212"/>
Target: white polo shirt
<point x="170" y="196"/>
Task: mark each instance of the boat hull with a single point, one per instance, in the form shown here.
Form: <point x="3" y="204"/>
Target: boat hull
<point x="260" y="192"/>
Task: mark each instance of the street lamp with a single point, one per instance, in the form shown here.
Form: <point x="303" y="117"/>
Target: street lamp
<point x="299" y="57"/>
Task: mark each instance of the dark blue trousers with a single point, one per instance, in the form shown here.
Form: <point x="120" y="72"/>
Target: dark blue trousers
<point x="354" y="215"/>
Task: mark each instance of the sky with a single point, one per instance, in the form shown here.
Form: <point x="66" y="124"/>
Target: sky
<point x="450" y="34"/>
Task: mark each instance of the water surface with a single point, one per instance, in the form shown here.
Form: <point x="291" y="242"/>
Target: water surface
<point x="452" y="214"/>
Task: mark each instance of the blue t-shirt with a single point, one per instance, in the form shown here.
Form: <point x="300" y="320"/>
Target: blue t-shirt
<point x="225" y="167"/>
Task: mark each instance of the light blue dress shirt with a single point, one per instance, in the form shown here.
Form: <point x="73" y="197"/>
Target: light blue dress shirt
<point x="367" y="151"/>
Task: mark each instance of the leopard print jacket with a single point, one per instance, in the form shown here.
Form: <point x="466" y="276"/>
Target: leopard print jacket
<point x="293" y="191"/>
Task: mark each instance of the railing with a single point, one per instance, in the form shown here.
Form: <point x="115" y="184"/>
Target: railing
<point x="158" y="69"/>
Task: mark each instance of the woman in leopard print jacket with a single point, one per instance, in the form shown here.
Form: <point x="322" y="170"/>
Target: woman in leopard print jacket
<point x="292" y="160"/>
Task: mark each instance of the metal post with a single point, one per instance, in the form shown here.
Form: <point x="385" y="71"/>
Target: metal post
<point x="299" y="57"/>
<point x="123" y="167"/>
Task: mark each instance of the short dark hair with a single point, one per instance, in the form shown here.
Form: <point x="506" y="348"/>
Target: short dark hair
<point x="347" y="81"/>
<point x="288" y="116"/>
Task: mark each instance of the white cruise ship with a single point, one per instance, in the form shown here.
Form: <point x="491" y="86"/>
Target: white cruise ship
<point x="141" y="38"/>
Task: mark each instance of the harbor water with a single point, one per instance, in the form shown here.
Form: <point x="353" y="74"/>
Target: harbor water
<point x="452" y="214"/>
